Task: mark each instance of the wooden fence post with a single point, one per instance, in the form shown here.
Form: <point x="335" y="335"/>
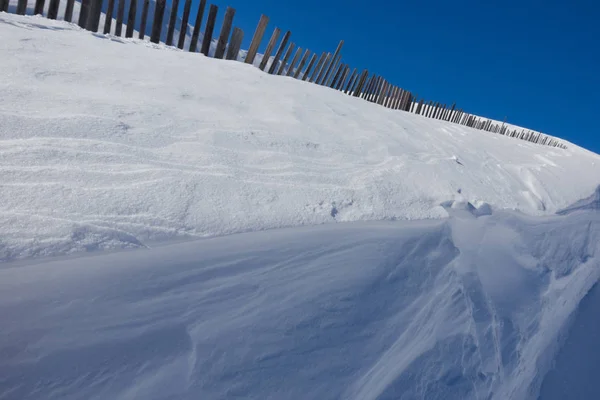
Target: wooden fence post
<point x="330" y="70"/>
<point x="313" y="58"/>
<point x="197" y="26"/>
<point x="225" y="31"/>
<point x="339" y="76"/>
<point x="159" y="13"/>
<point x="233" y="50"/>
<point x="38" y="9"/>
<point x="172" y="22"/>
<point x="351" y="82"/>
<point x="286" y="58"/>
<point x="279" y="52"/>
<point x="108" y="18"/>
<point x="340" y="85"/>
<point x="144" y="20"/>
<point x="367" y="86"/>
<point x="302" y="64"/>
<point x="83" y="13"/>
<point x="131" y="18"/>
<point x="382" y="91"/>
<point x="21" y="7"/>
<point x="4" y="5"/>
<point x="290" y="70"/>
<point x="208" y="31"/>
<point x="256" y="39"/>
<point x="323" y="69"/>
<point x="269" y="49"/>
<point x="376" y="88"/>
<point x="334" y="57"/>
<point x="317" y="68"/>
<point x="336" y="75"/>
<point x="361" y="82"/>
<point x="120" y="14"/>
<point x="93" y="17"/>
<point x="187" y="7"/>
<point x="68" y="10"/>
<point x="53" y="10"/>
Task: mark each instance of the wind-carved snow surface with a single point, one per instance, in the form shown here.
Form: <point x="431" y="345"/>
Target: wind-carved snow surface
<point x="109" y="143"/>
<point x="463" y="308"/>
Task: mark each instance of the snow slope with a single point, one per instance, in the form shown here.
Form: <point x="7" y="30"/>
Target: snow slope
<point x="461" y="308"/>
<point x="108" y="143"/>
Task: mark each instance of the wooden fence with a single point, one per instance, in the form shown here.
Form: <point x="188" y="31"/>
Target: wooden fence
<point x="326" y="69"/>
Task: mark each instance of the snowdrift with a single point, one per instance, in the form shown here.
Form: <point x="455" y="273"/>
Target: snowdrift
<point x="108" y="143"/>
<point x="462" y="308"/>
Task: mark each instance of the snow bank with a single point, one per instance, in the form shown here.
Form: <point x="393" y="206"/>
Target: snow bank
<point x="462" y="308"/>
<point x="107" y="143"/>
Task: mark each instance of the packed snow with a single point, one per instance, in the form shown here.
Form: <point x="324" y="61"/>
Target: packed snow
<point x="109" y="143"/>
<point x="461" y="308"/>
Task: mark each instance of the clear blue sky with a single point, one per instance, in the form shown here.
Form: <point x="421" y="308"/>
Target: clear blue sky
<point x="535" y="62"/>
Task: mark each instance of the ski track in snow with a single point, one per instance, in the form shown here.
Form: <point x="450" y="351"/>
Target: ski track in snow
<point x="462" y="308"/>
<point x="107" y="145"/>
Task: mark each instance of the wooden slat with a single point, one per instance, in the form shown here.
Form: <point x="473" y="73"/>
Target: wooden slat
<point x="53" y="10"/>
<point x="317" y="69"/>
<point x="157" y="24"/>
<point x="4" y="5"/>
<point x="345" y="76"/>
<point x="335" y="56"/>
<point x="172" y="22"/>
<point x="404" y="103"/>
<point x="337" y="83"/>
<point x="21" y="7"/>
<point x="361" y="82"/>
<point x="269" y="49"/>
<point x="68" y="10"/>
<point x="256" y="39"/>
<point x="225" y="31"/>
<point x="392" y="97"/>
<point x="331" y="70"/>
<point x="382" y="92"/>
<point x="368" y="87"/>
<point x="187" y="7"/>
<point x="93" y="17"/>
<point x="353" y="76"/>
<point x="131" y="18"/>
<point x="323" y="69"/>
<point x="312" y="61"/>
<point x="290" y="70"/>
<point x="302" y="64"/>
<point x="375" y="91"/>
<point x="37" y="10"/>
<point x="83" y="13"/>
<point x="234" y="45"/>
<point x="108" y="18"/>
<point x="279" y="52"/>
<point x="144" y="20"/>
<point x="208" y="31"/>
<point x="120" y="14"/>
<point x="336" y="75"/>
<point x="286" y="58"/>
<point x="197" y="26"/>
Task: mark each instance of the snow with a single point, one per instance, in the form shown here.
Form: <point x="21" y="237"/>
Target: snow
<point x="108" y="143"/>
<point x="459" y="277"/>
<point x="460" y="308"/>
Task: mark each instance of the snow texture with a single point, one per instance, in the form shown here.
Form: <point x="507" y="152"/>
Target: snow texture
<point x="108" y="143"/>
<point x="462" y="308"/>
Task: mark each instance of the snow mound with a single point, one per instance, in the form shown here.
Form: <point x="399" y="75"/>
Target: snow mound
<point x="462" y="308"/>
<point x="589" y="203"/>
<point x="109" y="143"/>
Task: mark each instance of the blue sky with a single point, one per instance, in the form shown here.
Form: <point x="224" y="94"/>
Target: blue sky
<point x="535" y="62"/>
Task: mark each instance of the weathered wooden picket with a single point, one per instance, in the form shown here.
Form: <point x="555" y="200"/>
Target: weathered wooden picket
<point x="329" y="70"/>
